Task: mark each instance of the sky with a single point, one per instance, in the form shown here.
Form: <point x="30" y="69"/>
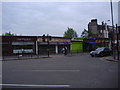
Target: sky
<point x="53" y="18"/>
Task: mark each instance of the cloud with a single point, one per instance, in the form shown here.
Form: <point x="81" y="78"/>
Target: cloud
<point x="31" y="18"/>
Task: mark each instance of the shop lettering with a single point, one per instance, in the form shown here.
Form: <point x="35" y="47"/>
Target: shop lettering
<point x="24" y="39"/>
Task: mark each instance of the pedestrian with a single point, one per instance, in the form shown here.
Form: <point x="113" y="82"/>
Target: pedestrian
<point x="65" y="51"/>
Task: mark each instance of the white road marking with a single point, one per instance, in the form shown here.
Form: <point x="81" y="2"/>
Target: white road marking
<point x="49" y="70"/>
<point x="28" y="85"/>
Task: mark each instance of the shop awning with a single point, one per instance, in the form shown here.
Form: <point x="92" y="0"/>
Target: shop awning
<point x="54" y="43"/>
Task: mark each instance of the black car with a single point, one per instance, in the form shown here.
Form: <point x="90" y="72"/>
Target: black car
<point x="101" y="51"/>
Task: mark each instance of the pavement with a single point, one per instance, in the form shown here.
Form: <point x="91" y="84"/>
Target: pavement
<point x="111" y="58"/>
<point x="21" y="57"/>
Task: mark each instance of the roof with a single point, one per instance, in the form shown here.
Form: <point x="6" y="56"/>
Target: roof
<point x="35" y="36"/>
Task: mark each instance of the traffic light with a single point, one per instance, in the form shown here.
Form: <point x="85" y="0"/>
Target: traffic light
<point x="50" y="37"/>
<point x="43" y="38"/>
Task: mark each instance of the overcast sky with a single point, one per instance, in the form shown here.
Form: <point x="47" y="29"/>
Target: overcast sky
<point x="38" y="18"/>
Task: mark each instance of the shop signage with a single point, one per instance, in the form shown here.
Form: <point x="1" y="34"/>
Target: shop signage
<point x="23" y="51"/>
<point x="22" y="43"/>
<point x="53" y="43"/>
<point x="5" y="42"/>
<point x="61" y="43"/>
<point x="55" y="40"/>
<point x="24" y="39"/>
<point x="42" y="43"/>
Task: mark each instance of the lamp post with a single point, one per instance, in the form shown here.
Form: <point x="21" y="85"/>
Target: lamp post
<point x="112" y="38"/>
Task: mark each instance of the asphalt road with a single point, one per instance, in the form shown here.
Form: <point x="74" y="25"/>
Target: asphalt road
<point x="80" y="71"/>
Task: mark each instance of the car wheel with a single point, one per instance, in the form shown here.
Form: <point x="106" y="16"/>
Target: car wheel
<point x="92" y="55"/>
<point x="101" y="54"/>
<point x="110" y="54"/>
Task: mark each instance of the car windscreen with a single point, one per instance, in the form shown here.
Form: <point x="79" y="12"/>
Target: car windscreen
<point x="99" y="49"/>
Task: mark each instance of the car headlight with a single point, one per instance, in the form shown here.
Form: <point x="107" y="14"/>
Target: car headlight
<point x="98" y="52"/>
<point x="91" y="52"/>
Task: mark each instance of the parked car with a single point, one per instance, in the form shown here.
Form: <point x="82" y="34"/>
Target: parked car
<point x="101" y="51"/>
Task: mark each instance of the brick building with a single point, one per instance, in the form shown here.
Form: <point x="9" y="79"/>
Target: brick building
<point x="98" y="31"/>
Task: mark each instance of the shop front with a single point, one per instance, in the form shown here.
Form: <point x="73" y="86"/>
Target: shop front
<point x="23" y="47"/>
<point x="102" y="42"/>
<point x="14" y="45"/>
<point x="55" y="45"/>
<point x="89" y="44"/>
<point x="77" y="45"/>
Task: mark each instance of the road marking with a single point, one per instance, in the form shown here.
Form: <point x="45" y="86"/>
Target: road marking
<point x="49" y="70"/>
<point x="28" y="85"/>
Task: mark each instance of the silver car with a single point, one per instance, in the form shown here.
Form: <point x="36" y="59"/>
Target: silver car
<point x="101" y="51"/>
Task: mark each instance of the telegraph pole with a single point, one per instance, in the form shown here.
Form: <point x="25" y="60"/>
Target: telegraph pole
<point x="112" y="38"/>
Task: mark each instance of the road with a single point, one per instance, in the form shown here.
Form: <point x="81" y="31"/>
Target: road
<point x="79" y="71"/>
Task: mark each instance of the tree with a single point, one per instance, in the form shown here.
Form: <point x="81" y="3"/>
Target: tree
<point x="84" y="33"/>
<point x="8" y="34"/>
<point x="70" y="33"/>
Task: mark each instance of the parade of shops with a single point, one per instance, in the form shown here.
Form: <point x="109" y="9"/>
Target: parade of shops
<point x="14" y="45"/>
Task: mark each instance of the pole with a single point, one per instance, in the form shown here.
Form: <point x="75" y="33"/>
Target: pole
<point x="48" y="48"/>
<point x="36" y="47"/>
<point x="112" y="38"/>
<point x="112" y="13"/>
<point x="117" y="42"/>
